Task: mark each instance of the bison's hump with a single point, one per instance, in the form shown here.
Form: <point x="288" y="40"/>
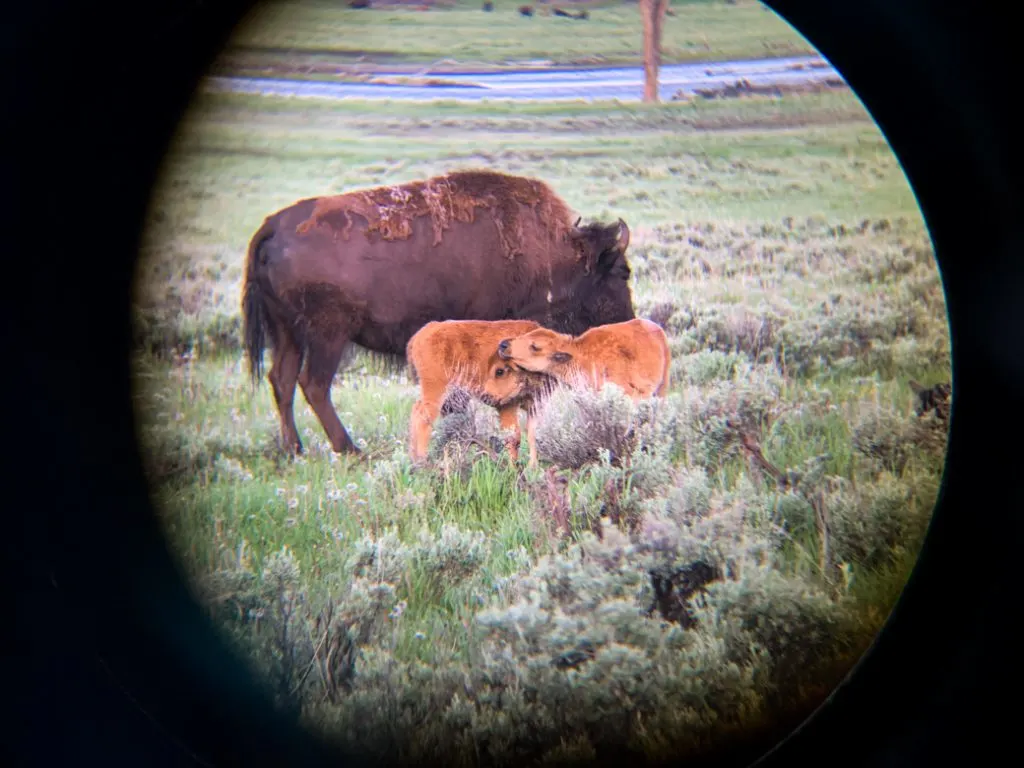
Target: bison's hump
<point x="452" y="197"/>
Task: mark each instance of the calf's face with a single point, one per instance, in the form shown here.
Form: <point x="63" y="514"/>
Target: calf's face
<point x="540" y="351"/>
<point x="504" y="383"/>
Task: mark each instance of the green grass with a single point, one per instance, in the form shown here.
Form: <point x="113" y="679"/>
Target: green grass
<point x="782" y="249"/>
<point x="318" y="40"/>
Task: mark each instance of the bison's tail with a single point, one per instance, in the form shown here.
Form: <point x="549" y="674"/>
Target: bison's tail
<point x="255" y="320"/>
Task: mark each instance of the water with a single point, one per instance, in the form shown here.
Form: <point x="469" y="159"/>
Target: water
<point x="618" y="83"/>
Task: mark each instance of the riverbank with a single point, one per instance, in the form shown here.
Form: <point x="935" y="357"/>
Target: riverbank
<point x="301" y="40"/>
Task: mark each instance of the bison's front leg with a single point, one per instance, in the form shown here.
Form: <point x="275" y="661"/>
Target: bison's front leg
<point x="509" y="417"/>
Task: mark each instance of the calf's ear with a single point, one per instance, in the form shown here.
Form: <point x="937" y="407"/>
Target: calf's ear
<point x="561" y="357"/>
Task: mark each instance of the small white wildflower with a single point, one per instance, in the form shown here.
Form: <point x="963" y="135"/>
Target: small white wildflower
<point x="419" y="636"/>
<point x="290" y="521"/>
<point x="293" y="503"/>
<point x="302" y="489"/>
<point x="361" y="443"/>
<point x="334" y="495"/>
<point x="279" y="491"/>
<point x="360" y="502"/>
<point x="382" y="419"/>
<point x="351" y="487"/>
<point x="398" y="610"/>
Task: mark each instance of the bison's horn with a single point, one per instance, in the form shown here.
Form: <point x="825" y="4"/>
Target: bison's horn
<point x="577" y="224"/>
<point x="623" y="235"/>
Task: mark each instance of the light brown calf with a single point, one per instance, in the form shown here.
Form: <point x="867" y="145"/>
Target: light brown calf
<point x="465" y="353"/>
<point x="633" y="355"/>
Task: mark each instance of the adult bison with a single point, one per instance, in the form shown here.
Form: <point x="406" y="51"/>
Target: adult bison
<point x="372" y="267"/>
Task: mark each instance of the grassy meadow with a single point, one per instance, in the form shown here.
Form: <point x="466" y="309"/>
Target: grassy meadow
<point x="478" y="612"/>
<point x="301" y="39"/>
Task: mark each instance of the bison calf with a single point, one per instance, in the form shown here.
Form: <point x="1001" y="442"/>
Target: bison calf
<point x="634" y="355"/>
<point x="464" y="353"/>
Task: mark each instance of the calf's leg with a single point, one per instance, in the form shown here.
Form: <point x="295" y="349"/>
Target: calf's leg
<point x="531" y="436"/>
<point x="509" y="418"/>
<point x="424" y="414"/>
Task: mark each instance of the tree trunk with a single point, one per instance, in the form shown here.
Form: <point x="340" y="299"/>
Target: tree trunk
<point x="652" y="13"/>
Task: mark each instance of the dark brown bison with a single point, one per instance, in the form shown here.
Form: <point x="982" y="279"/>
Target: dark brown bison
<point x="935" y="398"/>
<point x="372" y="267"/>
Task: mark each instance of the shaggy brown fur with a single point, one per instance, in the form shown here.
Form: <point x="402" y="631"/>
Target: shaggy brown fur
<point x="473" y="245"/>
<point x="674" y="590"/>
<point x="389" y="211"/>
<point x="935" y="398"/>
<point x="634" y="355"/>
<point x="464" y="353"/>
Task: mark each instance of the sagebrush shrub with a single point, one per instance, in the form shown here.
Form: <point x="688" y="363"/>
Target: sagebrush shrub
<point x="716" y="416"/>
<point x="709" y="365"/>
<point x="885" y="437"/>
<point x="872" y="525"/>
<point x="575" y="425"/>
<point x="469" y="422"/>
<point x="578" y="652"/>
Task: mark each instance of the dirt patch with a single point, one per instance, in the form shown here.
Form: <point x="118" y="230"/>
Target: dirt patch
<point x="390" y="211"/>
<point x="744" y="87"/>
<point x="419" y="81"/>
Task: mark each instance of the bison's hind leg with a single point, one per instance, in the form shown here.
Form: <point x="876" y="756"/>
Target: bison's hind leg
<point x="322" y="360"/>
<point x="283" y="374"/>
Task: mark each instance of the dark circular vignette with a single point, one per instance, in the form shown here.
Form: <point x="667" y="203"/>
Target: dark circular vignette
<point x="113" y="660"/>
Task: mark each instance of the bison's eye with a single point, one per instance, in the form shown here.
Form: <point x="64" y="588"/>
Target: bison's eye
<point x="534" y="348"/>
<point x="499" y="372"/>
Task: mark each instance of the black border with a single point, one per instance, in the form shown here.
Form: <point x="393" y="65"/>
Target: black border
<point x="135" y="676"/>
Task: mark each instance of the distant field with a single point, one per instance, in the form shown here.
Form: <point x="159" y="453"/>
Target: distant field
<point x="757" y="160"/>
<point x="322" y="40"/>
<point x="413" y="613"/>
